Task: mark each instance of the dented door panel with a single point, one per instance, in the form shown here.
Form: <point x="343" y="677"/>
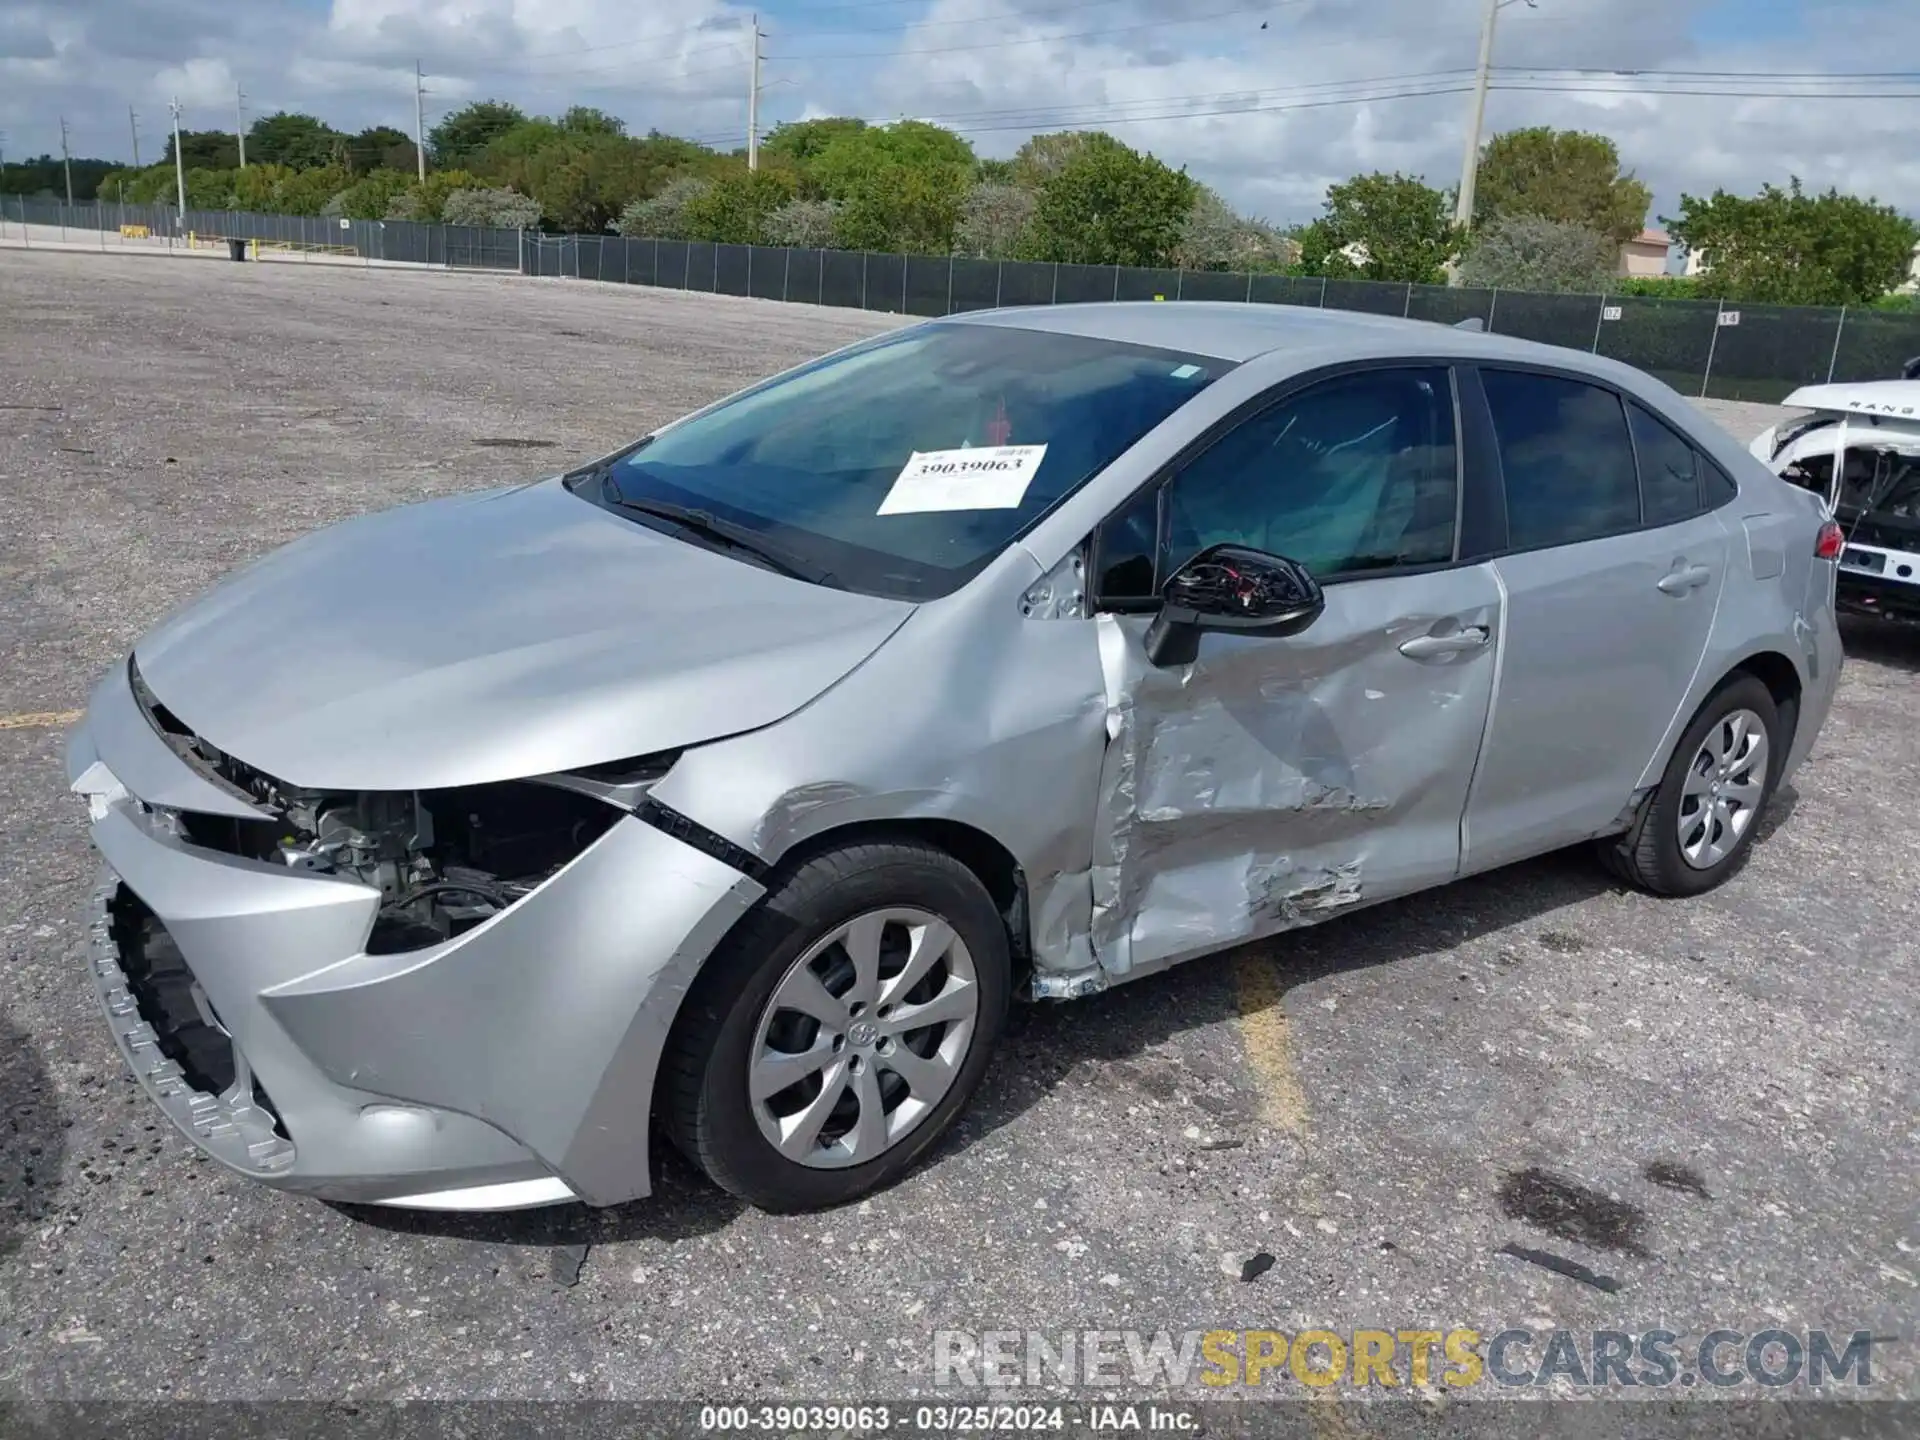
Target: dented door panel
<point x="1275" y="782"/>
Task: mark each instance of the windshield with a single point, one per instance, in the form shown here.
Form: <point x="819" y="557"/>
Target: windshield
<point x="903" y="466"/>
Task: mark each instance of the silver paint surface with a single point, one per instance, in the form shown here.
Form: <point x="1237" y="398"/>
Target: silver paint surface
<point x="1154" y="815"/>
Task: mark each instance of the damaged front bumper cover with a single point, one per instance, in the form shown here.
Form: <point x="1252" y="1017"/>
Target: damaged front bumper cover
<point x="511" y="1065"/>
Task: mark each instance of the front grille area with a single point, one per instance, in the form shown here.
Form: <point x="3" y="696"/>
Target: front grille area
<point x="186" y="1030"/>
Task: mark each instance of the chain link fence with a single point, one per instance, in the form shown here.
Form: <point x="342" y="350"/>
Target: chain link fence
<point x="1700" y="347"/>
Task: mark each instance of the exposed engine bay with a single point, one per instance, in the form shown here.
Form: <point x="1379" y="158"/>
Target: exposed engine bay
<point x="443" y="861"/>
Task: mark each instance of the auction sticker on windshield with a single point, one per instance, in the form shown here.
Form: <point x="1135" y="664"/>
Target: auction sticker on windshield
<point x="989" y="478"/>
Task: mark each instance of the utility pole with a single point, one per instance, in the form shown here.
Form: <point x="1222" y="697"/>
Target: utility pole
<point x="179" y="162"/>
<point x="419" y="122"/>
<point x="1470" y="161"/>
<point x="1476" y="113"/>
<point x="240" y="122"/>
<point x="133" y="125"/>
<point x="753" y="101"/>
<point x="66" y="160"/>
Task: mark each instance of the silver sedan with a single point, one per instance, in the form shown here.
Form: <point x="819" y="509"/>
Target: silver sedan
<point x="737" y="782"/>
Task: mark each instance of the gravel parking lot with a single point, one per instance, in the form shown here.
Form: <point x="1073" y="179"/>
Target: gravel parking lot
<point x="1736" y="1073"/>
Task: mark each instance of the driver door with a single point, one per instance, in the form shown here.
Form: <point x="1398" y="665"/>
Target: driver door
<point x="1275" y="781"/>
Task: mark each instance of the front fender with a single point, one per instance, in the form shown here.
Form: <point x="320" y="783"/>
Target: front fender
<point x="548" y="1021"/>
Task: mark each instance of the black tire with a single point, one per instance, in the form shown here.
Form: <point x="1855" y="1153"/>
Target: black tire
<point x="708" y="1110"/>
<point x="1648" y="855"/>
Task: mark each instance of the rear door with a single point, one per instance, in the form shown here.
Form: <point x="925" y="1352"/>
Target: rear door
<point x="1277" y="781"/>
<point x="1613" y="570"/>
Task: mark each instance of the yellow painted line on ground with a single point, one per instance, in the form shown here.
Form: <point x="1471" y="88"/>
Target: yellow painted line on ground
<point x="39" y="719"/>
<point x="1267" y="1036"/>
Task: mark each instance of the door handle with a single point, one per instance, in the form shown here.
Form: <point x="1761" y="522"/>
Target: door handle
<point x="1428" y="647"/>
<point x="1678" y="582"/>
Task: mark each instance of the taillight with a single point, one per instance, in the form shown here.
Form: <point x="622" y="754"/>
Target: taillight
<point x="1830" y="541"/>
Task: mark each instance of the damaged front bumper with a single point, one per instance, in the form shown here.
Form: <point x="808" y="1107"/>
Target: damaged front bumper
<point x="511" y="1065"/>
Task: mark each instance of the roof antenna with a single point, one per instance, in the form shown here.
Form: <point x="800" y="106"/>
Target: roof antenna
<point x="1472" y="322"/>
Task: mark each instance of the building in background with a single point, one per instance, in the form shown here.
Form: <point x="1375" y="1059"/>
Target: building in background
<point x="1646" y="253"/>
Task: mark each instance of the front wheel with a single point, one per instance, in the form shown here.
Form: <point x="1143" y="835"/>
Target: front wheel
<point x="841" y="1027"/>
<point x="1700" y="823"/>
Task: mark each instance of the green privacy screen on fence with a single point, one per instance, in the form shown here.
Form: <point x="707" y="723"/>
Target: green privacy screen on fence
<point x="1700" y="347"/>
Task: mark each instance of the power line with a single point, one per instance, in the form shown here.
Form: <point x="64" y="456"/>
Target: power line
<point x="1702" y="90"/>
<point x="625" y="68"/>
<point x="1419" y="85"/>
<point x="1023" y="15"/>
<point x="1155" y="107"/>
<point x="1068" y="114"/>
<point x="1360" y="90"/>
<point x="1193" y="107"/>
<point x="1031" y="40"/>
<point x="1913" y="75"/>
<point x="1173" y="107"/>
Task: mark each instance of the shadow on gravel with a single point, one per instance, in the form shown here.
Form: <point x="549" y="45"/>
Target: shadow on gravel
<point x="1047" y="1042"/>
<point x="1881" y="642"/>
<point x="33" y="1139"/>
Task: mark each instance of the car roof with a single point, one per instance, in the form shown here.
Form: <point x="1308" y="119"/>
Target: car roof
<point x="1238" y="331"/>
<point x="1285" y="339"/>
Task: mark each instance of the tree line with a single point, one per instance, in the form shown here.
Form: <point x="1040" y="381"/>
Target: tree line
<point x="1552" y="207"/>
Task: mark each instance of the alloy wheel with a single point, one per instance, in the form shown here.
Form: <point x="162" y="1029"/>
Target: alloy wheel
<point x="1723" y="789"/>
<point x="862" y="1037"/>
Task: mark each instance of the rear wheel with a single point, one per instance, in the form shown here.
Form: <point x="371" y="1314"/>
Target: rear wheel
<point x="1700" y="823"/>
<point x="841" y="1027"/>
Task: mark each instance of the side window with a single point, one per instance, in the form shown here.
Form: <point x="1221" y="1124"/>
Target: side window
<point x="1566" y="457"/>
<point x="1124" y="549"/>
<point x="1717" y="487"/>
<point x="1355" y="473"/>
<point x="1669" y="482"/>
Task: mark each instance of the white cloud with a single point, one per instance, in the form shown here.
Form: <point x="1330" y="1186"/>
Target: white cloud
<point x="202" y="81"/>
<point x="1006" y="67"/>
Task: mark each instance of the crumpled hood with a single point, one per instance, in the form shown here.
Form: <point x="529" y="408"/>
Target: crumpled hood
<point x="495" y="636"/>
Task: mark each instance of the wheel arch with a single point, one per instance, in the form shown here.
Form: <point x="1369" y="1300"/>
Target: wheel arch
<point x="1768" y="664"/>
<point x="1782" y="679"/>
<point x="989" y="860"/>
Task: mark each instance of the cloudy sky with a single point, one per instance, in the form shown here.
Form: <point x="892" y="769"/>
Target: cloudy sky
<point x="1268" y="101"/>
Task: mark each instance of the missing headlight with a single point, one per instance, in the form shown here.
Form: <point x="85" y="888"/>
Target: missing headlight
<point x="442" y="860"/>
<point x="480" y="848"/>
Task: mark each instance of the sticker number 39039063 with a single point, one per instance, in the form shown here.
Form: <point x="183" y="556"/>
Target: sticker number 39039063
<point x="993" y="477"/>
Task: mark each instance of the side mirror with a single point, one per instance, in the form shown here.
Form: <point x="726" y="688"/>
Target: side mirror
<point x="1232" y="589"/>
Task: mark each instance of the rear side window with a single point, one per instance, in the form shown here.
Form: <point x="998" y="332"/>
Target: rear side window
<point x="1669" y="478"/>
<point x="1566" y="458"/>
<point x="1716" y="486"/>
